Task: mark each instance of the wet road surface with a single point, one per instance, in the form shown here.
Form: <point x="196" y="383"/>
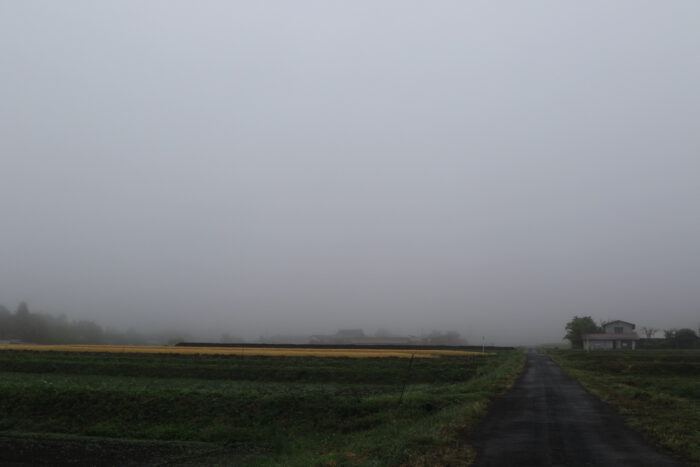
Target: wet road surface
<point x="548" y="419"/>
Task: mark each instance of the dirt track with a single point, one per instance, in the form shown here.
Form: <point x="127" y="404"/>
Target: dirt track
<point x="549" y="419"/>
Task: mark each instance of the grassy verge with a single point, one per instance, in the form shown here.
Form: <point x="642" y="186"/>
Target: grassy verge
<point x="271" y="410"/>
<point x="656" y="391"/>
<point x="436" y="439"/>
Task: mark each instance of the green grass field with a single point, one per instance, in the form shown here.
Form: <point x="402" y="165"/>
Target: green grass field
<point x="657" y="391"/>
<point x="262" y="410"/>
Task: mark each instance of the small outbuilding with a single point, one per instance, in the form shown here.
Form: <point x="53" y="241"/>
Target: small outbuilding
<point x="616" y="335"/>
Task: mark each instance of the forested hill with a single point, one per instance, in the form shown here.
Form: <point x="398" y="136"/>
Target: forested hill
<point x="43" y="328"/>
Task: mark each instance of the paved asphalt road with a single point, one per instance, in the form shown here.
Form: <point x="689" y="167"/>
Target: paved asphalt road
<point x="549" y="419"/>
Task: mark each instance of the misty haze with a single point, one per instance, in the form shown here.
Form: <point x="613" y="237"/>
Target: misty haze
<point x="305" y="168"/>
<point x="334" y="233"/>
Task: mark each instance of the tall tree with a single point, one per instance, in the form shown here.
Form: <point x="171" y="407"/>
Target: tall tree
<point x="23" y="321"/>
<point x="6" y="327"/>
<point x="577" y="327"/>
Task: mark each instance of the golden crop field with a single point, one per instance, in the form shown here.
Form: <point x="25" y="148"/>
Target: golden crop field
<point x="262" y="351"/>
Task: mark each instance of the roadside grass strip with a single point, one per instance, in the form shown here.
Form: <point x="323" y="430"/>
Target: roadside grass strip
<point x="656" y="391"/>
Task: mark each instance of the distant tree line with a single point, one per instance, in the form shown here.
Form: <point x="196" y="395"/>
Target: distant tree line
<point x="24" y="326"/>
<point x="684" y="338"/>
<point x="443" y="338"/>
<point x="384" y="336"/>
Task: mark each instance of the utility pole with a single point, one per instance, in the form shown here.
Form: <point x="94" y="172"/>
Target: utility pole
<point x="483" y="339"/>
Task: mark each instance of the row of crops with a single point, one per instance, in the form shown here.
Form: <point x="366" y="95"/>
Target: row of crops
<point x="287" y="409"/>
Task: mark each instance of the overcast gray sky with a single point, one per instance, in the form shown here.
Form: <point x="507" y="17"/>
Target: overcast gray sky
<point x="493" y="168"/>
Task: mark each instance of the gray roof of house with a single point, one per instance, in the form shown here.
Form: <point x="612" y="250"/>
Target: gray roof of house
<point x="619" y="321"/>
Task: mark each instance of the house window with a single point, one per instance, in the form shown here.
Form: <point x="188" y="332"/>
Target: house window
<point x="618" y="330"/>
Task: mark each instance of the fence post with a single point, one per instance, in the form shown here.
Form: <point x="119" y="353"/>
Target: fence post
<point x="408" y="375"/>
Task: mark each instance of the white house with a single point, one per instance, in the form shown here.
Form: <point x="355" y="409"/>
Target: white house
<point x="615" y="335"/>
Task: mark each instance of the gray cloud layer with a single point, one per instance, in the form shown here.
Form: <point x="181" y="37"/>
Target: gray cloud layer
<point x="492" y="168"/>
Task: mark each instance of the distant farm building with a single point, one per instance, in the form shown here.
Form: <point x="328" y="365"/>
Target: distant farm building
<point x="615" y="335"/>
